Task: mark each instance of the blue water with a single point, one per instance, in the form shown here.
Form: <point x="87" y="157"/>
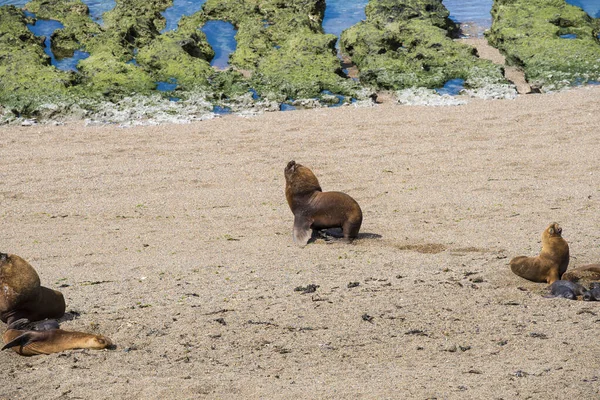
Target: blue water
<point x="98" y="8"/>
<point x="452" y="87"/>
<point x="221" y="110"/>
<point x="286" y="107"/>
<point x="167" y="86"/>
<point x="592" y="7"/>
<point x="568" y="36"/>
<point x="46" y="27"/>
<point x="342" y="14"/>
<point x="180" y="8"/>
<point x="470" y="11"/>
<point x="221" y="37"/>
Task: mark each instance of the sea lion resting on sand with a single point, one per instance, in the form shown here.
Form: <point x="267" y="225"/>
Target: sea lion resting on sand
<point x="590" y="272"/>
<point x="566" y="289"/>
<point x="23" y="300"/>
<point x="315" y="209"/>
<point x="54" y="340"/>
<point x="550" y="264"/>
<point x="22" y="296"/>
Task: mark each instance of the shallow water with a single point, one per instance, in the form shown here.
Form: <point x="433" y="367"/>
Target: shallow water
<point x="221" y="37"/>
<point x="470" y="11"/>
<point x="592" y="7"/>
<point x="342" y="14"/>
<point x="180" y="8"/>
<point x="98" y="8"/>
<point x="45" y="27"/>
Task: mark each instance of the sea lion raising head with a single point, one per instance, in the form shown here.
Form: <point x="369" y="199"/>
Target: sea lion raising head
<point x="21" y="295"/>
<point x="33" y="342"/>
<point x="550" y="264"/>
<point x="315" y="209"/>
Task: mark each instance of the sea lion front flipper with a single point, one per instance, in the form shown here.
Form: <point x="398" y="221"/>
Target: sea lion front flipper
<point x="18" y="324"/>
<point x="302" y="231"/>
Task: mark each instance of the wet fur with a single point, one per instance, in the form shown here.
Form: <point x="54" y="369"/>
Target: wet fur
<point x="550" y="264"/>
<point x="315" y="209"/>
<point x="567" y="289"/>
<point x="31" y="343"/>
<point x="22" y="296"/>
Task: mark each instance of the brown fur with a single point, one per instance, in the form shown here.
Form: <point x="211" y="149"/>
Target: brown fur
<point x="590" y="272"/>
<point x="315" y="209"/>
<point x="21" y="295"/>
<point x="53" y="341"/>
<point x="550" y="264"/>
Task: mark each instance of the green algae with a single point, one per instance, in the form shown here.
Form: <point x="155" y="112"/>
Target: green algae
<point x="282" y="45"/>
<point x="26" y="76"/>
<point x="408" y="43"/>
<point x="528" y="33"/>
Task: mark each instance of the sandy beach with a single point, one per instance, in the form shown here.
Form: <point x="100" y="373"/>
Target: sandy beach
<point x="175" y="241"/>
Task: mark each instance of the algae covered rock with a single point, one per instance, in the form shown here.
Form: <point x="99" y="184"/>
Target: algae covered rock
<point x="282" y="45"/>
<point x="529" y="32"/>
<point x="407" y="43"/>
<point x="26" y="76"/>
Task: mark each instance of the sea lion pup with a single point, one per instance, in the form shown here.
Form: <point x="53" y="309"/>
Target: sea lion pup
<point x="552" y="262"/>
<point x="21" y="295"/>
<point x="33" y="342"/>
<point x="315" y="209"/>
<point x="566" y="289"/>
<point x="593" y="294"/>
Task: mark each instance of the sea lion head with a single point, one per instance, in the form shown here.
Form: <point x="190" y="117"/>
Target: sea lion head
<point x="553" y="230"/>
<point x="98" y="342"/>
<point x="300" y="179"/>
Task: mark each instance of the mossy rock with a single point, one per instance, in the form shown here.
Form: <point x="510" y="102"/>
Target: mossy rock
<point x="528" y="33"/>
<point x="400" y="46"/>
<point x="26" y="76"/>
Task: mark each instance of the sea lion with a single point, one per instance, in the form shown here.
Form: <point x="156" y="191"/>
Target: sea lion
<point x="566" y="289"/>
<point x="315" y="209"/>
<point x="22" y="296"/>
<point x="594" y="293"/>
<point x="550" y="264"/>
<point x="590" y="272"/>
<point x="33" y="342"/>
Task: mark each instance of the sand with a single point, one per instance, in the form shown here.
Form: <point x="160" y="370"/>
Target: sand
<point x="175" y="242"/>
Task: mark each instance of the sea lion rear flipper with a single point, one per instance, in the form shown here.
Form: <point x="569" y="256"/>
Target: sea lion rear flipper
<point x="22" y="340"/>
<point x="302" y="231"/>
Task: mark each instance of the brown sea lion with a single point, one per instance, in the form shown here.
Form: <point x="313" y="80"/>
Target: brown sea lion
<point x="550" y="264"/>
<point x="315" y="209"/>
<point x="590" y="272"/>
<point x="33" y="342"/>
<point x="22" y="296"/>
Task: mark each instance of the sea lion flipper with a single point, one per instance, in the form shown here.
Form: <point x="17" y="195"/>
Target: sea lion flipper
<point x="302" y="231"/>
<point x="22" y="340"/>
<point x="18" y="324"/>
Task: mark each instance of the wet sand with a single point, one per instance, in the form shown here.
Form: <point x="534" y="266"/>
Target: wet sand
<point x="175" y="242"/>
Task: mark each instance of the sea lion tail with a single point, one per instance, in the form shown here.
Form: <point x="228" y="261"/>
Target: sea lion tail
<point x="22" y="340"/>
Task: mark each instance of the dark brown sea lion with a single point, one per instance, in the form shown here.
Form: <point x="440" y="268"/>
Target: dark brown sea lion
<point x="550" y="264"/>
<point x="315" y="209"/>
<point x="566" y="289"/>
<point x="33" y="342"/>
<point x="590" y="272"/>
<point x="594" y="293"/>
<point x="22" y="296"/>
